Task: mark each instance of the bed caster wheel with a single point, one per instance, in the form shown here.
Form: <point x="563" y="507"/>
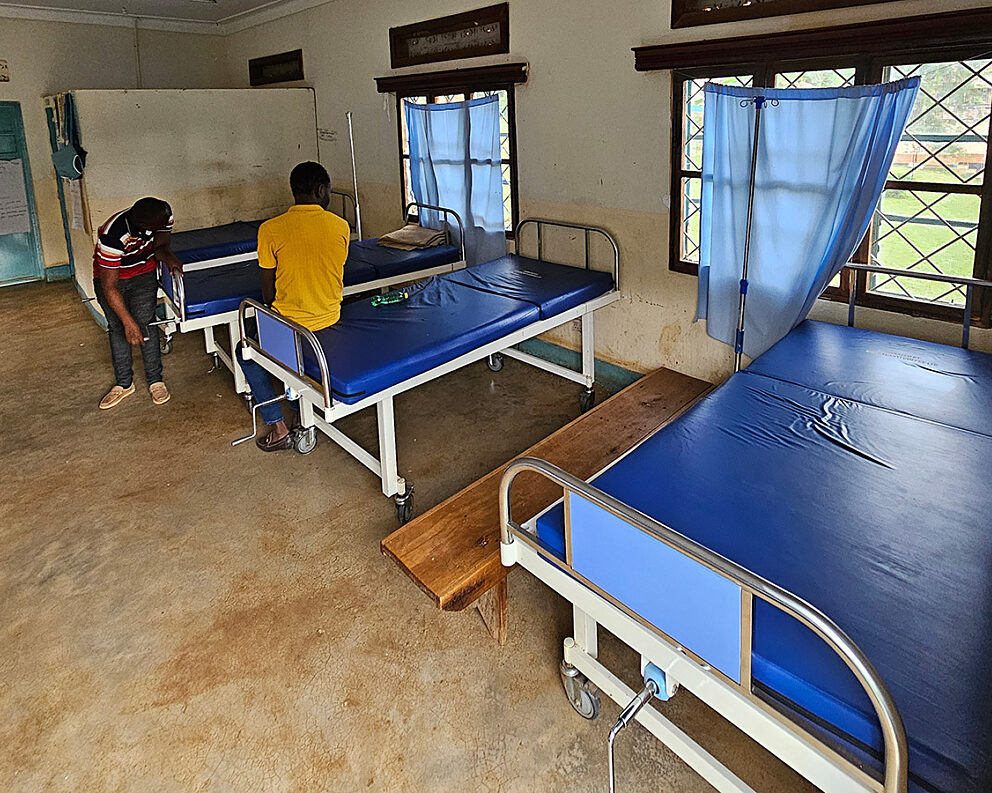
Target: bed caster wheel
<point x="306" y="440"/>
<point x="587" y="400"/>
<point x="404" y="505"/>
<point x="495" y="362"/>
<point x="165" y="344"/>
<point x="582" y="694"/>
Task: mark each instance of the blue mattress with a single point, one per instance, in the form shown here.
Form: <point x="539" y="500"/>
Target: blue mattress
<point x="932" y="381"/>
<point x="372" y="348"/>
<point x="199" y="245"/>
<point x="879" y="518"/>
<point x="552" y="288"/>
<point x="215" y="290"/>
<point x="389" y="262"/>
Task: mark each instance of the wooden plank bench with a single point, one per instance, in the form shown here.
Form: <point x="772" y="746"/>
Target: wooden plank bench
<point x="452" y="550"/>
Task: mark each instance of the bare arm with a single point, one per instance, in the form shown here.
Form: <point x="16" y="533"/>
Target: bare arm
<point x="163" y="251"/>
<point x="108" y="280"/>
<point x="268" y="286"/>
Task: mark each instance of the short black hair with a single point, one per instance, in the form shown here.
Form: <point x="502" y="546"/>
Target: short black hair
<point x="147" y="212"/>
<point x="307" y="177"/>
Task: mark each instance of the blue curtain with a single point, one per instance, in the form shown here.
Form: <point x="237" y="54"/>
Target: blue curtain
<point x="823" y="158"/>
<point x="455" y="163"/>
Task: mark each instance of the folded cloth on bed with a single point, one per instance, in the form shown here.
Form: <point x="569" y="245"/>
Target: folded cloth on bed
<point x="413" y="238"/>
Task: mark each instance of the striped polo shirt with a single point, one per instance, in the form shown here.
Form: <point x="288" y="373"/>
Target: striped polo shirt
<point x="119" y="249"/>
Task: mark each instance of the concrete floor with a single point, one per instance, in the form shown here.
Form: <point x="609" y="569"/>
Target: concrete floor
<point x="178" y="615"/>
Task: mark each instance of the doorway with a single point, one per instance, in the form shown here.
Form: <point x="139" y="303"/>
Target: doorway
<point x="20" y="240"/>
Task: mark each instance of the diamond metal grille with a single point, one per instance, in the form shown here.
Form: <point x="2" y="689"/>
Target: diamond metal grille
<point x="948" y="129"/>
<point x="692" y="158"/>
<point x="945" y="142"/>
<point x="818" y="78"/>
<point x="926" y="232"/>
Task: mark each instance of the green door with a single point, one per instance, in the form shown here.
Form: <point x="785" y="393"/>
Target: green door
<point x="20" y="241"/>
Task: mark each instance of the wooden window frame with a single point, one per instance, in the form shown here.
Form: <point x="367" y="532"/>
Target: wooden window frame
<point x="868" y="69"/>
<point x="467" y="90"/>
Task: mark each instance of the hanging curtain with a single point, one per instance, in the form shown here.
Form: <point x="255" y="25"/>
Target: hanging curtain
<point x="823" y="157"/>
<point x="455" y="163"/>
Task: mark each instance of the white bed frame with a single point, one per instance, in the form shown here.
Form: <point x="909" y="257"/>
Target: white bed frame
<point x="319" y="409"/>
<point x="175" y="308"/>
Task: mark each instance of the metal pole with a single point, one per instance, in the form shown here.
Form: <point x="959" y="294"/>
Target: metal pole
<point x="354" y="178"/>
<point x="759" y="102"/>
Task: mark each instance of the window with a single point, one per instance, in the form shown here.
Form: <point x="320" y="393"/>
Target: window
<point x="507" y="139"/>
<point x="928" y="219"/>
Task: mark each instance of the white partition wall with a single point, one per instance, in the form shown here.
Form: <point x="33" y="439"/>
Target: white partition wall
<point x="215" y="155"/>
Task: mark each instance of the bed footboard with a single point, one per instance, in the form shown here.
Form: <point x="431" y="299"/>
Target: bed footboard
<point x="617" y="555"/>
<point x="282" y="341"/>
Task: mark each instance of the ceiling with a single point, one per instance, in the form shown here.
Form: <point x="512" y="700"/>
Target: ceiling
<point x="178" y="14"/>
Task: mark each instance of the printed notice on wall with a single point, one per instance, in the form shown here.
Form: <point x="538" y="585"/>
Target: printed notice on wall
<point x="14" y="215"/>
<point x="73" y="191"/>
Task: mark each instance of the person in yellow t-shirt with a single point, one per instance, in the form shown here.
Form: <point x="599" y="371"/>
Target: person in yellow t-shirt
<point x="302" y="254"/>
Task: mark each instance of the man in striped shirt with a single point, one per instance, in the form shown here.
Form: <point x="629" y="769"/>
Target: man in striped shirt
<point x="128" y="248"/>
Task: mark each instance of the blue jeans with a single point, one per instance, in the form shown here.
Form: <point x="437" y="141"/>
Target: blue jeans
<point x="140" y="296"/>
<point x="262" y="389"/>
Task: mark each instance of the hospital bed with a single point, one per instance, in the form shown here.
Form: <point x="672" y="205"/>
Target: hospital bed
<point x="372" y="354"/>
<point x="809" y="551"/>
<point x="220" y="269"/>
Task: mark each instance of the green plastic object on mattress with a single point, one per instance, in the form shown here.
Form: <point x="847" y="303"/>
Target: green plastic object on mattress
<point x="397" y="296"/>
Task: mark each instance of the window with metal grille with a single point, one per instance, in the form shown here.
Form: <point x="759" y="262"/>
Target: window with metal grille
<point x="507" y="139"/>
<point x="929" y="216"/>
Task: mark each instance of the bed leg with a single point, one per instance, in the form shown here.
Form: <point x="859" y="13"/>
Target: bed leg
<point x="493" y="606"/>
<point x="588" y="349"/>
<point x="585" y="632"/>
<point x="208" y="340"/>
<point x="234" y="333"/>
<point x="391" y="482"/>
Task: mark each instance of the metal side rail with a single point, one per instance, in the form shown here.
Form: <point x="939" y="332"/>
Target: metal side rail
<point x="445" y="214"/>
<point x="732" y="698"/>
<point x="969" y="284"/>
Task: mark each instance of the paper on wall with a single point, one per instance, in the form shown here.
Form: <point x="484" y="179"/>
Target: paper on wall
<point x="72" y="189"/>
<point x="15" y="217"/>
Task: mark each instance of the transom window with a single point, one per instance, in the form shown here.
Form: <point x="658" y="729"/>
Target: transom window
<point x="507" y="139"/>
<point x="928" y="219"/>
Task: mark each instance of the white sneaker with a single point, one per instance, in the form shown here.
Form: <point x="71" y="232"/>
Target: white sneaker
<point x="115" y="396"/>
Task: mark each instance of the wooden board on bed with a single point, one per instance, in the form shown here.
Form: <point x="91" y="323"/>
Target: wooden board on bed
<point x="452" y="551"/>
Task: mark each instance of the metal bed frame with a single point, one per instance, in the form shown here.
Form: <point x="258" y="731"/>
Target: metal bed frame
<point x="176" y="319"/>
<point x="666" y="664"/>
<point x="319" y="409"/>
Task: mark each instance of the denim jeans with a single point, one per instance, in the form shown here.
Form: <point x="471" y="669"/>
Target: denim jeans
<point x="140" y="295"/>
<point x="261" y="383"/>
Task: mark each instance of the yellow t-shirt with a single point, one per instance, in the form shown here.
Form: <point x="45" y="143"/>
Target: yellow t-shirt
<point x="307" y="246"/>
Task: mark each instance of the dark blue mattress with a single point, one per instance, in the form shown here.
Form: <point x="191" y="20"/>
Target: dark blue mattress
<point x="551" y="288"/>
<point x="880" y="519"/>
<point x="215" y="290"/>
<point x="932" y="381"/>
<point x="199" y="245"/>
<point x="372" y="348"/>
<point x="389" y="262"/>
